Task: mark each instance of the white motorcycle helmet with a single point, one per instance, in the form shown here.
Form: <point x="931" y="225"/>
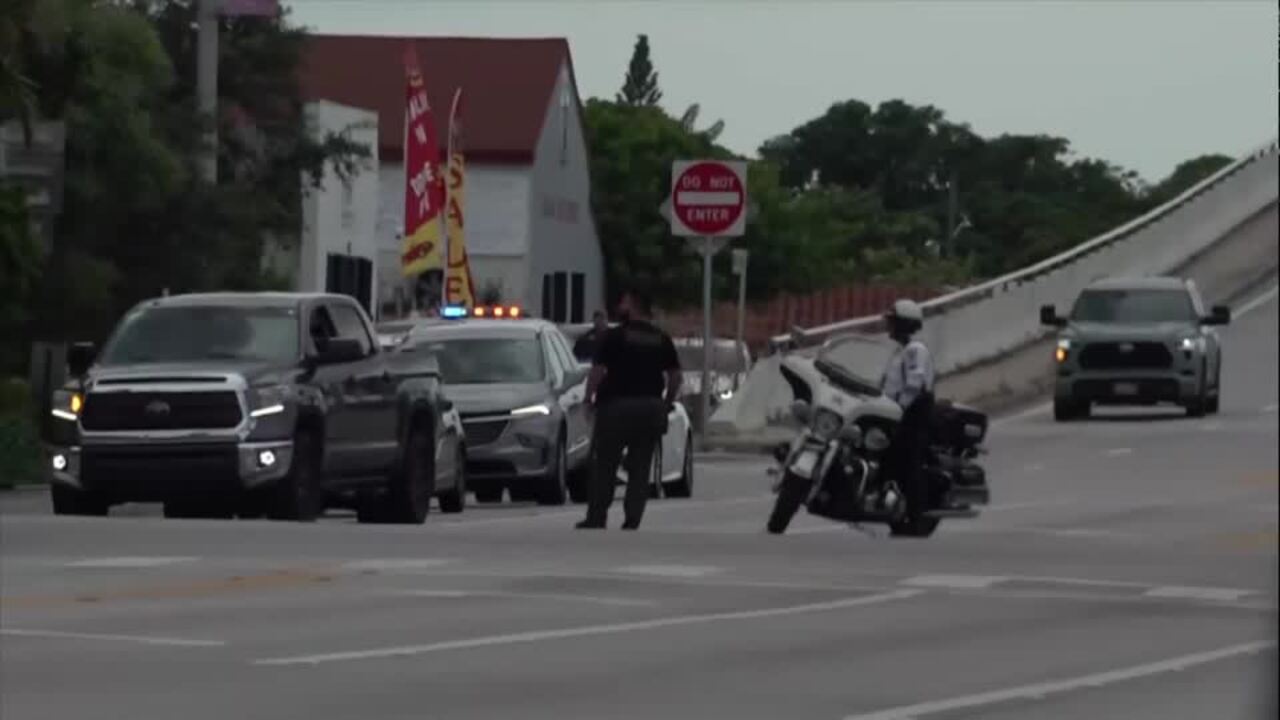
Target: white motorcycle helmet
<point x="907" y="313"/>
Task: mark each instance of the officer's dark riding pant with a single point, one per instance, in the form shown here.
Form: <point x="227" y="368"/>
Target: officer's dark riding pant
<point x="635" y="425"/>
<point x="910" y="444"/>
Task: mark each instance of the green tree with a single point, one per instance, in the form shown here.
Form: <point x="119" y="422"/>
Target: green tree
<point x="1185" y="176"/>
<point x="640" y="87"/>
<point x="20" y="266"/>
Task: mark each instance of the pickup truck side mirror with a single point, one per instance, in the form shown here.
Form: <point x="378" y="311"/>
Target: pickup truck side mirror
<point x="1049" y="316"/>
<point x="1220" y="315"/>
<point x="80" y="357"/>
<point x="338" y="351"/>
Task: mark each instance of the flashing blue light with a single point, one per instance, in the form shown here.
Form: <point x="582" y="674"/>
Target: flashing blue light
<point x="453" y="311"/>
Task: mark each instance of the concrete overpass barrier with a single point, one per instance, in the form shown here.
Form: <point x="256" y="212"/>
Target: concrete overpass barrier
<point x="977" y="326"/>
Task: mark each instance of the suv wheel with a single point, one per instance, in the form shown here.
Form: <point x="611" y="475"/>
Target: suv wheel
<point x="299" y="496"/>
<point x="554" y="487"/>
<point x="682" y="487"/>
<point x="70" y="501"/>
<point x="455" y="499"/>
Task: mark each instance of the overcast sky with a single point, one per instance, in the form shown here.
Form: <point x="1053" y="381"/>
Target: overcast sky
<point x="1142" y="83"/>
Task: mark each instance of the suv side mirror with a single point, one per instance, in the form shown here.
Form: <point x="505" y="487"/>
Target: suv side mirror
<point x="338" y="351"/>
<point x="1220" y="315"/>
<point x="1049" y="316"/>
<point x="80" y="357"/>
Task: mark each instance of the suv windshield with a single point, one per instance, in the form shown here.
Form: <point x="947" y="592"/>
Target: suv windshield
<point x="1133" y="306"/>
<point x="487" y="361"/>
<point x="195" y="333"/>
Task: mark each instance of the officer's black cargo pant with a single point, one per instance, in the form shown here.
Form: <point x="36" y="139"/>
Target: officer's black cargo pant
<point x="635" y="425"/>
<point x="910" y="445"/>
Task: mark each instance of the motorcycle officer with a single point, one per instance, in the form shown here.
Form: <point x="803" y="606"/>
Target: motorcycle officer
<point x="908" y="381"/>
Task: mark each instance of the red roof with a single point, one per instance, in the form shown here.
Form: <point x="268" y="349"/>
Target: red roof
<point x="506" y="86"/>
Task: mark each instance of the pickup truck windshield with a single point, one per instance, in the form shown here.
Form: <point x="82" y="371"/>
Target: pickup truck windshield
<point x="1133" y="307"/>
<point x="488" y="361"/>
<point x="196" y="333"/>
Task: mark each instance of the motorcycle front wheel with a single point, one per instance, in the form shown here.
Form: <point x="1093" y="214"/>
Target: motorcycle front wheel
<point x="791" y="496"/>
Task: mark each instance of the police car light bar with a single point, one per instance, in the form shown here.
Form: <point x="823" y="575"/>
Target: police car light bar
<point x="453" y="311"/>
<point x="498" y="311"/>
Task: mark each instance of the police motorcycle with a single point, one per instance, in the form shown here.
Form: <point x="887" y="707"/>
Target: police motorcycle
<point x="833" y="467"/>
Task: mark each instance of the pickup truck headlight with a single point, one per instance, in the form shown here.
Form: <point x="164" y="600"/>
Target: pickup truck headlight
<point x="1192" y="344"/>
<point x="1063" y="350"/>
<point x="268" y="401"/>
<point x="67" y="405"/>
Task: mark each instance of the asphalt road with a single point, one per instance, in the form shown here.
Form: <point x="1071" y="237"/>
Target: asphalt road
<point x="1127" y="569"/>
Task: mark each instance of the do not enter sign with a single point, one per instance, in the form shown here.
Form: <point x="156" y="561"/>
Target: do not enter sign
<point x="708" y="198"/>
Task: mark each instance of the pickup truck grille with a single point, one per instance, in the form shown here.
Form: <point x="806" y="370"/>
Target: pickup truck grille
<point x="218" y="410"/>
<point x="483" y="432"/>
<point x="1126" y="356"/>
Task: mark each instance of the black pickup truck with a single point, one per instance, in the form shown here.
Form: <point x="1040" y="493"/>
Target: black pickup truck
<point x="253" y="404"/>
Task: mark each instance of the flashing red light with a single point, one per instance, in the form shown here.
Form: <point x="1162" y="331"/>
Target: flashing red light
<point x="480" y="311"/>
<point x="515" y="312"/>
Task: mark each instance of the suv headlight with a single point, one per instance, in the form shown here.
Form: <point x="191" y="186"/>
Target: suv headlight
<point x="1192" y="344"/>
<point x="67" y="405"/>
<point x="539" y="410"/>
<point x="826" y="424"/>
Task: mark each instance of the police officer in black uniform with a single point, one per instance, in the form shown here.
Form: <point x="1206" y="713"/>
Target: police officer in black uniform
<point x="635" y="379"/>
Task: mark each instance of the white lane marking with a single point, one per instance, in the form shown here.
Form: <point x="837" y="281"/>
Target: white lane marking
<point x="679" y="571"/>
<point x="1175" y="592"/>
<point x="1033" y="467"/>
<point x="1273" y="407"/>
<point x="954" y="582"/>
<point x="1038" y="691"/>
<point x="653" y="508"/>
<point x="129" y="562"/>
<point x="1257" y="302"/>
<point x="1214" y="426"/>
<point x="394" y="564"/>
<point x="1119" y="452"/>
<point x="140" y="639"/>
<point x="596" y="599"/>
<point x="588" y="630"/>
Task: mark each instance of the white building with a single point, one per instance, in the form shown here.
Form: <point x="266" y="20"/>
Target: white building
<point x="530" y="232"/>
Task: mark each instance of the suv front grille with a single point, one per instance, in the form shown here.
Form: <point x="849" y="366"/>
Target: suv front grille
<point x="1125" y="356"/>
<point x="144" y="410"/>
<point x="483" y="432"/>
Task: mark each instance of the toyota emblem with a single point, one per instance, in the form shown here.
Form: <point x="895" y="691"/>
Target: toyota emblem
<point x="157" y="408"/>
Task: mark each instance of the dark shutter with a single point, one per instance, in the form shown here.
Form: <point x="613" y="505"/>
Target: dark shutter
<point x="578" y="298"/>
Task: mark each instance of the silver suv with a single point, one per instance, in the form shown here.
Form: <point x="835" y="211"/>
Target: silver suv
<point x="1137" y="341"/>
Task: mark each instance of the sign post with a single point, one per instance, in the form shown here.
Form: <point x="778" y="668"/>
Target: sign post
<point x="740" y="269"/>
<point x="708" y="206"/>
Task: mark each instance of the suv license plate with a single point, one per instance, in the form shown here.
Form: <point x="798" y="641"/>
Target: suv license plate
<point x="1126" y="389"/>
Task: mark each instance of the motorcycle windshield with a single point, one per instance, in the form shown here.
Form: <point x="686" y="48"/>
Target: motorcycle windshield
<point x="856" y="362"/>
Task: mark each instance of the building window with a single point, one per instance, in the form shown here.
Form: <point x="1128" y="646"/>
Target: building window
<point x="578" y="298"/>
<point x="559" y="311"/>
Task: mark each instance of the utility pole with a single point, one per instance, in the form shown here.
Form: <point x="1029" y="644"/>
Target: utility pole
<point x="207" y="83"/>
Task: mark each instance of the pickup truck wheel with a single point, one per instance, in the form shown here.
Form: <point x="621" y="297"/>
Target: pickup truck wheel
<point x="299" y="496"/>
<point x="1067" y="410"/>
<point x="553" y="490"/>
<point x="410" y="491"/>
<point x="455" y="500"/>
<point x="70" y="501"/>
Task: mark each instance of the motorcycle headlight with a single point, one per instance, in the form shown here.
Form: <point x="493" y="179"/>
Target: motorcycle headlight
<point x="826" y="424"/>
<point x="877" y="440"/>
